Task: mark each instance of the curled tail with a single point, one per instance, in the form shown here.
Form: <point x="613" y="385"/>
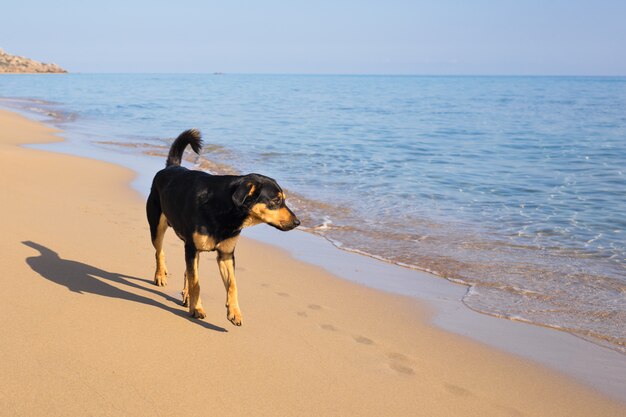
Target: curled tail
<point x="188" y="137"/>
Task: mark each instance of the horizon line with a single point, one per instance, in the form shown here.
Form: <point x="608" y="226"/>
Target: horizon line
<point x="373" y="74"/>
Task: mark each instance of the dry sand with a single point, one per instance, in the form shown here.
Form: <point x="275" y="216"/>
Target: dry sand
<point x="85" y="332"/>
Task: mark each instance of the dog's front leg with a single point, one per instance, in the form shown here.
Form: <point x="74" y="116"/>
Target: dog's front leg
<point x="160" y="275"/>
<point x="193" y="286"/>
<point x="226" y="263"/>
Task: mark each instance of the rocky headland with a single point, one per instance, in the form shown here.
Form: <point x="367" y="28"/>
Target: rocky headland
<point x="19" y="64"/>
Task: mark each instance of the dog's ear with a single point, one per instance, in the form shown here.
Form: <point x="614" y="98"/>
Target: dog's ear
<point x="242" y="192"/>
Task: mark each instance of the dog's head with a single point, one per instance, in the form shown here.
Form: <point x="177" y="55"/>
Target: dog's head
<point x="264" y="201"/>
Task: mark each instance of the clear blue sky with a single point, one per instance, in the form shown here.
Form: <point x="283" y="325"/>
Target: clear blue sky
<point x="552" y="37"/>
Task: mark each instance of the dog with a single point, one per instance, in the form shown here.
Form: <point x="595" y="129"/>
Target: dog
<point x="208" y="213"/>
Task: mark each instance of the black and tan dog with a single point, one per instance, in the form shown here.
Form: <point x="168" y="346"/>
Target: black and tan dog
<point x="208" y="213"/>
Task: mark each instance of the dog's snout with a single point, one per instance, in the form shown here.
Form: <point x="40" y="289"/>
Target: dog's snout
<point x="292" y="224"/>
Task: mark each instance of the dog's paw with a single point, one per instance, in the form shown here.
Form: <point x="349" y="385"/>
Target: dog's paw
<point x="185" y="298"/>
<point x="160" y="280"/>
<point x="234" y="315"/>
<point x="197" y="313"/>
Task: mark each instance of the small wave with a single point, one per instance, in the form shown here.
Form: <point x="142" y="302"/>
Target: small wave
<point x="326" y="225"/>
<point x="51" y="111"/>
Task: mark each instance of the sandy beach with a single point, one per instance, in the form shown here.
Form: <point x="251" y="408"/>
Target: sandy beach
<point x="85" y="331"/>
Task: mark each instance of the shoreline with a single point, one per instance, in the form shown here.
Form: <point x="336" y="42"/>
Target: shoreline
<point x="540" y="282"/>
<point x="395" y="352"/>
<point x="595" y="364"/>
<point x="91" y="138"/>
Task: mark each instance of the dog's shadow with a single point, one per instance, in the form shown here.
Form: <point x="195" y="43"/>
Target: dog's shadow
<point x="82" y="278"/>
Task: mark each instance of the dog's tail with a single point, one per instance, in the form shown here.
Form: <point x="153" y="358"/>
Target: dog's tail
<point x="188" y="137"/>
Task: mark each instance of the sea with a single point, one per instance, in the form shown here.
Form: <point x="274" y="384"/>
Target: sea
<point x="512" y="186"/>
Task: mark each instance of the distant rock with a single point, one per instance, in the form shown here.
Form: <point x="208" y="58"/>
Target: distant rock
<point x="19" y="64"/>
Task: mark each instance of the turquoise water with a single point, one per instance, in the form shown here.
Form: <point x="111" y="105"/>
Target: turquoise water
<point x="514" y="185"/>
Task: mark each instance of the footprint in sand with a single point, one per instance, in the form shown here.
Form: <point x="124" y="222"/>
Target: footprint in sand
<point x="282" y="294"/>
<point x="315" y="307"/>
<point x="456" y="390"/>
<point x="265" y="285"/>
<point x="397" y="365"/>
<point x="302" y="314"/>
<point x="329" y="327"/>
<point x="363" y="340"/>
<point x="401" y="369"/>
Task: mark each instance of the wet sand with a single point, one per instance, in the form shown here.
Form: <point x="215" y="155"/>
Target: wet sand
<point x="85" y="332"/>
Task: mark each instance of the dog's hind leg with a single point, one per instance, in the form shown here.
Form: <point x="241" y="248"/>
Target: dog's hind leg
<point x="226" y="263"/>
<point x="185" y="292"/>
<point x="158" y="226"/>
<point x="193" y="286"/>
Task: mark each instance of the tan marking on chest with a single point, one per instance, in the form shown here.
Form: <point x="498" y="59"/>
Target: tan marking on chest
<point x="251" y="221"/>
<point x="203" y="242"/>
<point x="228" y="245"/>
